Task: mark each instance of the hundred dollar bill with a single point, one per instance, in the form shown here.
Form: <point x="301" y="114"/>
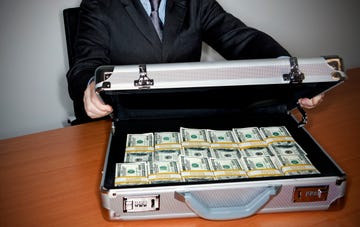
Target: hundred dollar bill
<point x="222" y="138"/>
<point x="261" y="167"/>
<point x="301" y="172"/>
<point x="167" y="140"/>
<point x="287" y="148"/>
<point x="296" y="164"/>
<point x="194" y="137"/>
<point x="167" y="155"/>
<point x="248" y="134"/>
<point x="204" y="152"/>
<point x="228" y="153"/>
<point x="162" y="172"/>
<point x="260" y="151"/>
<point x="276" y="133"/>
<point x="143" y="141"/>
<point x="227" y="169"/>
<point x="195" y="169"/>
<point x="249" y="137"/>
<point x="138" y="156"/>
<point x="131" y="173"/>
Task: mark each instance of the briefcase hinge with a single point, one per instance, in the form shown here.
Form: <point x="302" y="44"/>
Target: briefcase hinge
<point x="106" y="84"/>
<point x="295" y="75"/>
<point x="144" y="81"/>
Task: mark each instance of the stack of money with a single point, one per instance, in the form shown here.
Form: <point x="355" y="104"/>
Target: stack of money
<point x="227" y="164"/>
<point x="191" y="137"/>
<point x="286" y="148"/>
<point x="162" y="171"/>
<point x="296" y="165"/>
<point x="276" y="133"/>
<point x="139" y="147"/>
<point x="138" y="156"/>
<point x="257" y="151"/>
<point x="196" y="169"/>
<point x="140" y="142"/>
<point x="167" y="140"/>
<point x="206" y="154"/>
<point x="226" y="153"/>
<point x="167" y="146"/>
<point x="131" y="173"/>
<point x="199" y="152"/>
<point x="167" y="155"/>
<point x="261" y="167"/>
<point x="228" y="168"/>
<point x="249" y="137"/>
<point x="290" y="158"/>
<point x="222" y="139"/>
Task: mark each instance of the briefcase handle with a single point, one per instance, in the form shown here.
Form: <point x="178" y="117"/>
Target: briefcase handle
<point x="227" y="213"/>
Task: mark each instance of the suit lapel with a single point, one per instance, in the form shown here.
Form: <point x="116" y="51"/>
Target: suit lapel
<point x="174" y="18"/>
<point x="138" y="15"/>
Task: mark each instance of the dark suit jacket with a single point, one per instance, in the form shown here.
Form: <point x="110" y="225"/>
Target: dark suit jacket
<point x="120" y="32"/>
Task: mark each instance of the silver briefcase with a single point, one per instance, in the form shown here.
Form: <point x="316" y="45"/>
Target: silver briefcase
<point x="220" y="96"/>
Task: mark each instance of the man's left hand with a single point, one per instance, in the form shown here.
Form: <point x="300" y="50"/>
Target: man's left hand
<point x="311" y="103"/>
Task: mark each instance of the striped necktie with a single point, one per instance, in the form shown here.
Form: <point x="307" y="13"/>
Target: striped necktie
<point x="155" y="17"/>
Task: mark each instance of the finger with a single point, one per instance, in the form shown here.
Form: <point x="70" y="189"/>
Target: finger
<point x="311" y="103"/>
<point x="98" y="103"/>
<point x="318" y="99"/>
<point x="95" y="111"/>
<point x="306" y="103"/>
<point x="94" y="106"/>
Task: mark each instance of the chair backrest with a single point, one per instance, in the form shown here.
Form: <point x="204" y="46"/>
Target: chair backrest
<point x="71" y="24"/>
<point x="71" y="21"/>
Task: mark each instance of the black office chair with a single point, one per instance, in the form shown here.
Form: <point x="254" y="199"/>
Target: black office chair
<point x="71" y="21"/>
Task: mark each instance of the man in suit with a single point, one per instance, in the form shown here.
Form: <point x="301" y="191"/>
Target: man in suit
<point x="120" y="32"/>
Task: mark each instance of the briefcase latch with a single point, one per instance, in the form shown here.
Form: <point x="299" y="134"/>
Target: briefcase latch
<point x="144" y="81"/>
<point x="295" y="75"/>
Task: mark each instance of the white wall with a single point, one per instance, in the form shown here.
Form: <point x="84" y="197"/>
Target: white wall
<point x="33" y="90"/>
<point x="307" y="28"/>
<point x="33" y="61"/>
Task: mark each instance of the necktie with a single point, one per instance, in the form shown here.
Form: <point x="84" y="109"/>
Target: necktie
<point x="155" y="17"/>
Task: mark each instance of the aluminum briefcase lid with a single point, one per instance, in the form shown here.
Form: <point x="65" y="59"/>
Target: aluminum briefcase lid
<point x="177" y="88"/>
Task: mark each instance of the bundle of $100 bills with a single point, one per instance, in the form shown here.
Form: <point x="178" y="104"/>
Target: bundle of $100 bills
<point x="205" y="155"/>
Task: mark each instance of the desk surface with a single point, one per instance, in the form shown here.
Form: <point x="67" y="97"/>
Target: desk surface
<point x="52" y="178"/>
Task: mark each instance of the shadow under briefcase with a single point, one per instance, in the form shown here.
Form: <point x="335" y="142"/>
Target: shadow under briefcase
<point x="218" y="96"/>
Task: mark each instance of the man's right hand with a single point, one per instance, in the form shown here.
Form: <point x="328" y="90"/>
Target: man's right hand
<point x="94" y="106"/>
